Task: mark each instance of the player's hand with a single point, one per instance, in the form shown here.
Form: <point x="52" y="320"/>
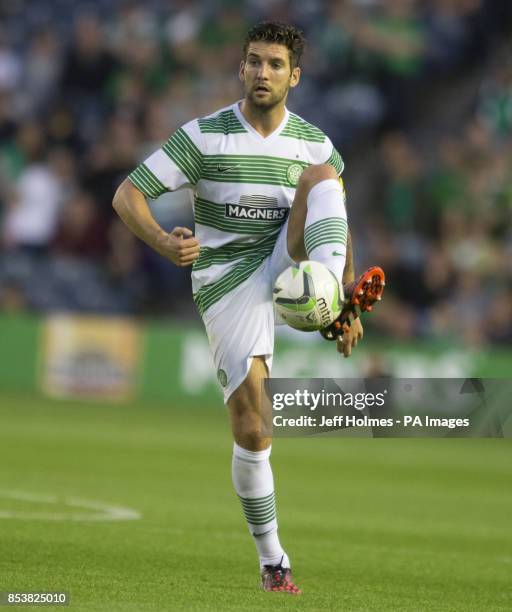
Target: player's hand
<point x="351" y="336"/>
<point x="179" y="246"/>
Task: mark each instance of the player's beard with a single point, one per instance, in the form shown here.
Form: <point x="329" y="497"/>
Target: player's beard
<point x="269" y="102"/>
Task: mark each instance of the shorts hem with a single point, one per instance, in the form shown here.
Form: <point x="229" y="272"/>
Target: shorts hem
<point x="228" y="390"/>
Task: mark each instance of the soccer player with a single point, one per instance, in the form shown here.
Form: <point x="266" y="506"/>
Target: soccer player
<point x="267" y="194"/>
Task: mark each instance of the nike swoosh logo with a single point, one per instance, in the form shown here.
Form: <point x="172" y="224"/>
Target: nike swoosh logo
<point x="260" y="535"/>
<point x="226" y="168"/>
<point x="336" y="254"/>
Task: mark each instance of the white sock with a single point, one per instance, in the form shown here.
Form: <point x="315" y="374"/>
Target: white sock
<point x="254" y="484"/>
<point x="325" y="230"/>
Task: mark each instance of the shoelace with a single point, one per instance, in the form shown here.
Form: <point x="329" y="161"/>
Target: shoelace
<point x="278" y="576"/>
<point x="282" y="582"/>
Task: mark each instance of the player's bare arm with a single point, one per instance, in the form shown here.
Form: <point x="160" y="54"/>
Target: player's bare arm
<point x="348" y="272"/>
<point x="353" y="333"/>
<point x="178" y="246"/>
<point x="360" y="295"/>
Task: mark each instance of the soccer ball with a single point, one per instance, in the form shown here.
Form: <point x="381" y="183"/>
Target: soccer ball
<point x="307" y="296"/>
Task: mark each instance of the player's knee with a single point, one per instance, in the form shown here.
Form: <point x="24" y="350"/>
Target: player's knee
<point x="249" y="432"/>
<point x="315" y="174"/>
<point x="251" y="439"/>
<point x="247" y="424"/>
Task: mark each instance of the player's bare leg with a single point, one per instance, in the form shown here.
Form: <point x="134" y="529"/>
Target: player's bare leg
<point x="245" y="409"/>
<point x="252" y="477"/>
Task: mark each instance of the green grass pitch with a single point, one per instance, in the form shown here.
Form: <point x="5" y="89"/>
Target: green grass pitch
<point x="370" y="525"/>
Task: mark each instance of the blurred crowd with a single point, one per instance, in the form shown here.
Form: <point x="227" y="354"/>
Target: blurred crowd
<point x="417" y="96"/>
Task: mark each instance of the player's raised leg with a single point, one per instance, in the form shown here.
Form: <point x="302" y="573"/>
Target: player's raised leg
<point x="317" y="228"/>
<point x="253" y="479"/>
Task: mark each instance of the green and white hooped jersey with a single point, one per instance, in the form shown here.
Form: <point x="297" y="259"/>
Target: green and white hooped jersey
<point x="244" y="185"/>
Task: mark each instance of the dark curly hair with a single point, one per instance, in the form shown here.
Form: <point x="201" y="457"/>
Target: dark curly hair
<point x="277" y="32"/>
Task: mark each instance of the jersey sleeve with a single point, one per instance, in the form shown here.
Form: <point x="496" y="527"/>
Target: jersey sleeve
<point x="175" y="165"/>
<point x="332" y="157"/>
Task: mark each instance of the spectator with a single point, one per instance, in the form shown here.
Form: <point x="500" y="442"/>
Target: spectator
<point x="81" y="231"/>
<point x="34" y="201"/>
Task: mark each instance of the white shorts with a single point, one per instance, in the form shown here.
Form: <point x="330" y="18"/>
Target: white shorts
<point x="241" y="324"/>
